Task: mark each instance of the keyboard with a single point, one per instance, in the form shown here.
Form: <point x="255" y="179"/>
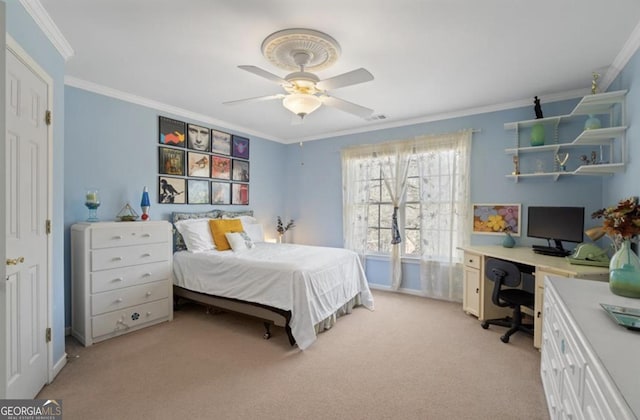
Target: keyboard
<point x="547" y="250"/>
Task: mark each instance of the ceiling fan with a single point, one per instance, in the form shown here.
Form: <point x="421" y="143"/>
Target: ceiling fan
<point x="303" y="50"/>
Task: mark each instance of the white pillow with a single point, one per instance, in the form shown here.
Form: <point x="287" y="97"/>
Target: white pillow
<point x="196" y="234"/>
<point x="246" y="220"/>
<point x="239" y="241"/>
<point x="255" y="231"/>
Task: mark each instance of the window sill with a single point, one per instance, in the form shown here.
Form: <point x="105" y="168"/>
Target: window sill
<point x="381" y="257"/>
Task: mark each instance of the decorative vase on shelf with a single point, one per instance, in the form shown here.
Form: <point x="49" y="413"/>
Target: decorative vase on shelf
<point x="508" y="241"/>
<point x="92" y="202"/>
<point x="537" y="135"/>
<point x="624" y="272"/>
<point x="592" y="123"/>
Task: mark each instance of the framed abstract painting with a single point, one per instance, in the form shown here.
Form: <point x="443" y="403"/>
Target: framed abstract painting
<point x="495" y="219"/>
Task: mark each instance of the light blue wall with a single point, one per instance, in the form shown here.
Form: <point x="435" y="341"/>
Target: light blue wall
<point x="627" y="184"/>
<point x="26" y="33"/>
<point x="112" y="145"/>
<point x="314" y="172"/>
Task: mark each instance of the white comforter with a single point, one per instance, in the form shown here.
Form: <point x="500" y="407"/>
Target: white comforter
<point x="312" y="282"/>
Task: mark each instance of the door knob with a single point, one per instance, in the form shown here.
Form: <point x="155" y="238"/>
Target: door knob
<point x="15" y="261"/>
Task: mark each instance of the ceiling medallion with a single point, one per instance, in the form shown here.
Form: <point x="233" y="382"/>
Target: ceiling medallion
<point x="282" y="47"/>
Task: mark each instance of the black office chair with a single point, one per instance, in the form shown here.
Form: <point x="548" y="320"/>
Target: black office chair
<point x="504" y="273"/>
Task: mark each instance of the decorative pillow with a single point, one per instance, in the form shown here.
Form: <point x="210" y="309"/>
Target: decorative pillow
<point x="178" y="242"/>
<point x="225" y="214"/>
<point x="255" y="231"/>
<point x="246" y="220"/>
<point x="221" y="226"/>
<point x="196" y="234"/>
<point x="239" y="241"/>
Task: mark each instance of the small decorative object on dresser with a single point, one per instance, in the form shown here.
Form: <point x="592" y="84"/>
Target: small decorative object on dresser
<point x="121" y="278"/>
<point x="622" y="224"/>
<point x="92" y="202"/>
<point x="508" y="241"/>
<point x="145" y="204"/>
<point x="127" y="214"/>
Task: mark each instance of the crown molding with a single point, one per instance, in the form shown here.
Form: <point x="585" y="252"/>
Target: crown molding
<point x="628" y="50"/>
<point x="50" y="29"/>
<point x="149" y="103"/>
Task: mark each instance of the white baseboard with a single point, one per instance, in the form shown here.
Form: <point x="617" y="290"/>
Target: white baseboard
<point x="405" y="291"/>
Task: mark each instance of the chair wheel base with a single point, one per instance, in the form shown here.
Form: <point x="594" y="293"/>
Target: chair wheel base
<point x="504" y="339"/>
<point x="485" y="325"/>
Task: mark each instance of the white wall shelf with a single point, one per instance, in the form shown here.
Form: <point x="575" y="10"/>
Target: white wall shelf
<point x="611" y="104"/>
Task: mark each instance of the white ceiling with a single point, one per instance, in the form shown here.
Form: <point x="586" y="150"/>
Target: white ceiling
<point x="429" y="58"/>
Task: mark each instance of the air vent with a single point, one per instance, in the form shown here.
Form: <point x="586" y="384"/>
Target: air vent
<point x="376" y="117"/>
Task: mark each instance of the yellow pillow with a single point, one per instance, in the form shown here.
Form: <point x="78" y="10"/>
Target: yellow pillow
<point x="221" y="226"/>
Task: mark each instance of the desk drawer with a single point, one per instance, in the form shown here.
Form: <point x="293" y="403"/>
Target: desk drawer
<point x="103" y="281"/>
<point x="107" y="258"/>
<point x="472" y="260"/>
<point x="128" y="296"/>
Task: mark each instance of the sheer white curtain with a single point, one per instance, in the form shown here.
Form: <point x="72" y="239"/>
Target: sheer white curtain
<point x="357" y="164"/>
<point x="443" y="162"/>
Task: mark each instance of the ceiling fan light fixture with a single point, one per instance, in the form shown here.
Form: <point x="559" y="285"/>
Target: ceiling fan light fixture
<point x="301" y="104"/>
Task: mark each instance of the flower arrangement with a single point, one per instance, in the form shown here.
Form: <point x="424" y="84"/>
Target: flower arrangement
<point x="283" y="228"/>
<point x="621" y="222"/>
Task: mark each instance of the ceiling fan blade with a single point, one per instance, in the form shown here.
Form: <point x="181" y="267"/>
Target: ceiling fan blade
<point x="255" y="99"/>
<point x="342" y="105"/>
<point x="345" y="79"/>
<point x="263" y="73"/>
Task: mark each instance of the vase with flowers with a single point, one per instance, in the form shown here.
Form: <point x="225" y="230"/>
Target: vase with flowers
<point x="281" y="228"/>
<point x="622" y="224"/>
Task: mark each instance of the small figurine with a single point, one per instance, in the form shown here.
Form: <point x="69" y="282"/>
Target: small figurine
<point x="584" y="159"/>
<point x="516" y="164"/>
<point x="594" y="83"/>
<point x="594" y="157"/>
<point x="537" y="108"/>
<point x="562" y="160"/>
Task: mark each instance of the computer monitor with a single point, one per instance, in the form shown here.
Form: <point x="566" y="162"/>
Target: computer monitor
<point x="556" y="224"/>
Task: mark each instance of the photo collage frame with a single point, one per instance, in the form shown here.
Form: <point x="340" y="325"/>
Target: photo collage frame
<point x="201" y="165"/>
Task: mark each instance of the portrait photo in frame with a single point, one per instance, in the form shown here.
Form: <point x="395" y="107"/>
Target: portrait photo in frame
<point x="171" y="190"/>
<point x="172" y="132"/>
<point x="240" y="147"/>
<point x="198" y="164"/>
<point x="220" y="192"/>
<point x="198" y="138"/>
<point x="198" y="191"/>
<point x="496" y="219"/>
<point x="240" y="194"/>
<point x="220" y="167"/>
<point x="240" y="170"/>
<point x="170" y="161"/>
<point x="220" y="142"/>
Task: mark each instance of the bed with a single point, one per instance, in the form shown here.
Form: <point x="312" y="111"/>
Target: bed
<point x="301" y="288"/>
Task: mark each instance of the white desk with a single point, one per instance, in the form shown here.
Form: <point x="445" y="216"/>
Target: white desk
<point x="477" y="287"/>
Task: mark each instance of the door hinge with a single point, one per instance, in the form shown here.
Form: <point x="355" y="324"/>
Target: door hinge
<point x="47" y="117"/>
<point x="48" y="227"/>
<point x="48" y="335"/>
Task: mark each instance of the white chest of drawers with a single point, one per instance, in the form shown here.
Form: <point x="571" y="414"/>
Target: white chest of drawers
<point x="589" y="364"/>
<point x="121" y="278"/>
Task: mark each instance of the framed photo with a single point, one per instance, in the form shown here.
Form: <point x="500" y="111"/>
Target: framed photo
<point x="220" y="192"/>
<point x="198" y="138"/>
<point x="220" y="167"/>
<point x="171" y="190"/>
<point x="240" y="170"/>
<point x="198" y="192"/>
<point x="220" y="142"/>
<point x="171" y="132"/>
<point x="495" y="219"/>
<point x="240" y="194"/>
<point x="170" y="161"/>
<point x="198" y="164"/>
<point x="240" y="147"/>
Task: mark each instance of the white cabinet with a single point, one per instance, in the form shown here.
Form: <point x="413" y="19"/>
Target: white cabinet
<point x="121" y="278"/>
<point x="609" y="141"/>
<point x="589" y="366"/>
<point x="471" y="284"/>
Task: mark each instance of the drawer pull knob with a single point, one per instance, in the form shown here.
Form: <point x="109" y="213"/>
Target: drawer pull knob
<point x="119" y="300"/>
<point x="118" y="279"/>
<point x="148" y="294"/>
<point x="146" y="275"/>
<point x="146" y="235"/>
<point x="117" y="258"/>
<point x="148" y="313"/>
<point x="118" y="237"/>
<point x="146" y="255"/>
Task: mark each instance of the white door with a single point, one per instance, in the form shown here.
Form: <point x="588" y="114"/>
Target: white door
<point x="25" y="292"/>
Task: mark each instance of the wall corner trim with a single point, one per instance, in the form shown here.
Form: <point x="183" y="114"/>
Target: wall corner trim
<point x="50" y="29"/>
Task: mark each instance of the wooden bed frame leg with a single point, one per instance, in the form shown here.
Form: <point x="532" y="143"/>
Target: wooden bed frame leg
<point x="267" y="333"/>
